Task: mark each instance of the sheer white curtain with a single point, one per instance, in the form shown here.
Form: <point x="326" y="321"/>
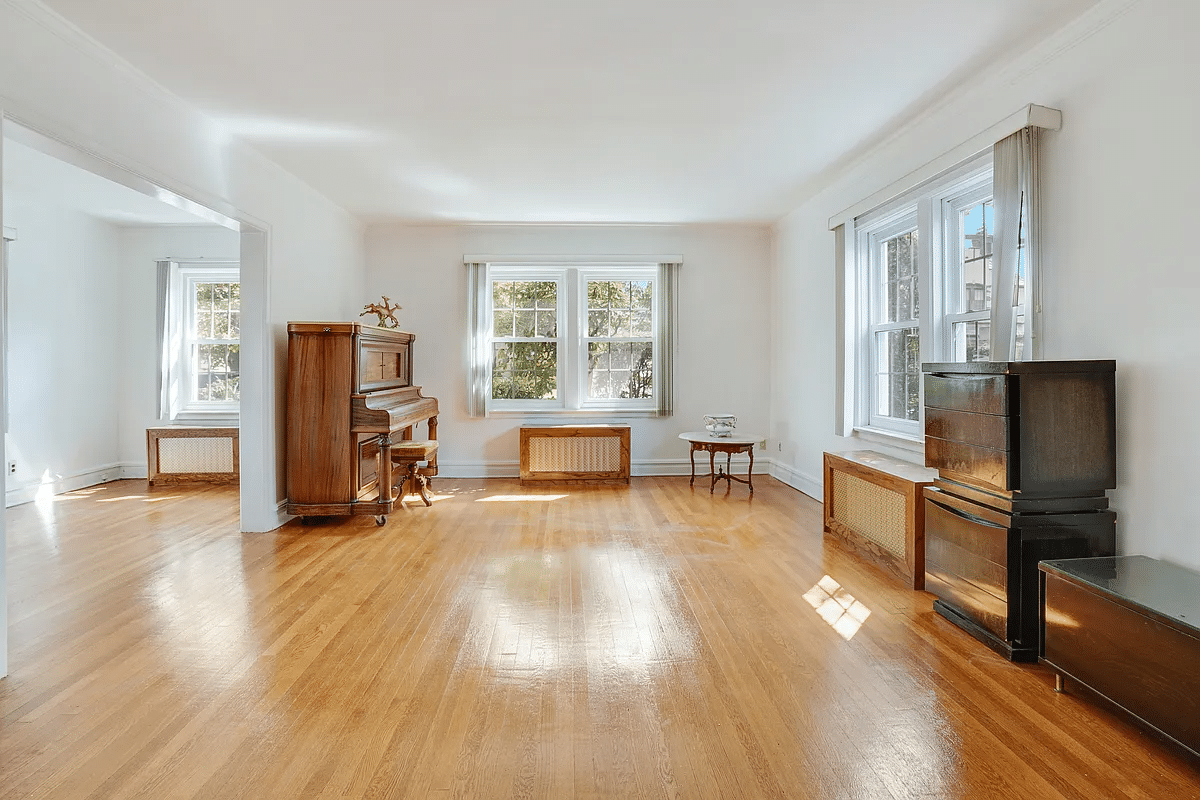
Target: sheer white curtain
<point x="1014" y="274"/>
<point x="479" y="377"/>
<point x="162" y="326"/>
<point x="667" y="300"/>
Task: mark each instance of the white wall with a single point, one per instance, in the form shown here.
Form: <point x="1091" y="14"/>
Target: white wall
<point x="722" y="362"/>
<point x="1119" y="198"/>
<point x="64" y="366"/>
<point x="139" y="249"/>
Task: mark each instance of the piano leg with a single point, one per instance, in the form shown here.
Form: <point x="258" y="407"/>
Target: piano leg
<point x="385" y="471"/>
<point x="431" y="470"/>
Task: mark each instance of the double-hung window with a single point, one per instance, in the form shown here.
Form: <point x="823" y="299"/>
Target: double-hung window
<point x="201" y="341"/>
<point x="924" y="264"/>
<point x="573" y="337"/>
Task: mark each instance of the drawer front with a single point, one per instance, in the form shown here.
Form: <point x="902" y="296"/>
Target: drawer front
<point x="980" y="394"/>
<point x="1131" y="658"/>
<point x="967" y="566"/>
<point x="982" y="430"/>
<point x="978" y="466"/>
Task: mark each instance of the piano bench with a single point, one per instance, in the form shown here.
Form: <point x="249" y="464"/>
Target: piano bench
<point x="408" y="455"/>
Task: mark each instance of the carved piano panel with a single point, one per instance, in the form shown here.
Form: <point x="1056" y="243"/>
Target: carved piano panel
<point x="350" y="395"/>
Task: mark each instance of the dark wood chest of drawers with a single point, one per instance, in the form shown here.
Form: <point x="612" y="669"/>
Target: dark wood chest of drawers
<point x="1024" y="453"/>
<point x="1128" y="629"/>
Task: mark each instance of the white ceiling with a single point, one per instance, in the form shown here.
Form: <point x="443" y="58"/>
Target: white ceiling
<point x="33" y="178"/>
<point x="560" y="110"/>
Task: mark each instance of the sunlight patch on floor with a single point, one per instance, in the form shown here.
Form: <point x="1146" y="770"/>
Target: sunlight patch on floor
<point x="837" y="607"/>
<point x="520" y="498"/>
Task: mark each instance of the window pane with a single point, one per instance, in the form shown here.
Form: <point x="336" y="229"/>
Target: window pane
<point x="898" y="374"/>
<point x="598" y="323"/>
<point x="502" y="322"/>
<point x="972" y="341"/>
<point x="502" y="294"/>
<point x="525" y="370"/>
<point x="525" y="323"/>
<point x="642" y="324"/>
<point x="901" y="303"/>
<point x="220" y="325"/>
<point x="978" y="222"/>
<point x="620" y="370"/>
<point x="642" y="295"/>
<point x="203" y="324"/>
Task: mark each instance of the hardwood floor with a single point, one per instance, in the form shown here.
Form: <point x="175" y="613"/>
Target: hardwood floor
<point x="649" y="641"/>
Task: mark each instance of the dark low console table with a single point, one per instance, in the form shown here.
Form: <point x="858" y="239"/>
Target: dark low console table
<point x="1128" y="629"/>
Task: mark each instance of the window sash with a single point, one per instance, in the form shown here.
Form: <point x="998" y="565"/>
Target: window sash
<point x="873" y="242"/>
<point x="525" y="275"/>
<point x="640" y="274"/>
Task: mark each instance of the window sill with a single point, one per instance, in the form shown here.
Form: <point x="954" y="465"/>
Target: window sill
<point x="573" y="414"/>
<point x="193" y="419"/>
<point x="892" y="439"/>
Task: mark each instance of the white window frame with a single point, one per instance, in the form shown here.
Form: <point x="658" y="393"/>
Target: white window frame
<point x="932" y="209"/>
<point x="572" y="341"/>
<point x="181" y="375"/>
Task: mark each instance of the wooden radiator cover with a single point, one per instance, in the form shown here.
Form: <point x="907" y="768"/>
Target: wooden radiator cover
<point x="185" y="454"/>
<point x="575" y="454"/>
<point x="874" y="502"/>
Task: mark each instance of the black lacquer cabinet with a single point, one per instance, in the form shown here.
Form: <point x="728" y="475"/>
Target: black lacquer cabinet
<point x="1024" y="452"/>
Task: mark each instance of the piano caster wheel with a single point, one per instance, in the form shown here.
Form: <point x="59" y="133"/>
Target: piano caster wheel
<point x="380" y="519"/>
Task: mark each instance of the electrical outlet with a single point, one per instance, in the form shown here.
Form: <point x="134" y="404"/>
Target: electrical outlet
<point x="781" y="447"/>
<point x="12" y="468"/>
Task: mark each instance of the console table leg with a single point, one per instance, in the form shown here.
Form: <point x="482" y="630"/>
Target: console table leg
<point x="750" y="471"/>
<point x="712" y="467"/>
<point x="692" y="456"/>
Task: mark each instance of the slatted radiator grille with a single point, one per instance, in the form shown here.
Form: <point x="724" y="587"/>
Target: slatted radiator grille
<point x="177" y="454"/>
<point x="873" y="512"/>
<point x="575" y="453"/>
<point x="195" y="455"/>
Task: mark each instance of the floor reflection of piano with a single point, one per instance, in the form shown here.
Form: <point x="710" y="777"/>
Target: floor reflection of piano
<point x="350" y="396"/>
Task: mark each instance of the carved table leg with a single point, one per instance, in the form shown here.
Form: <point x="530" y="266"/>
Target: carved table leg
<point x="750" y="473"/>
<point x="712" y="467"/>
<point x="692" y="457"/>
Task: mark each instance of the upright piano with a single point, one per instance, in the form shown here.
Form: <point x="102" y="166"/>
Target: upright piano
<point x="349" y="397"/>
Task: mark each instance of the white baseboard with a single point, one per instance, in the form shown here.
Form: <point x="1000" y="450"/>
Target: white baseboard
<point x="479" y="469"/>
<point x="798" y="480"/>
<point x="638" y="468"/>
<point x="132" y="471"/>
<point x="29" y="492"/>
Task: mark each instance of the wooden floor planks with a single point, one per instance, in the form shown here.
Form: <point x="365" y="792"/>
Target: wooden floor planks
<point x="650" y="641"/>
